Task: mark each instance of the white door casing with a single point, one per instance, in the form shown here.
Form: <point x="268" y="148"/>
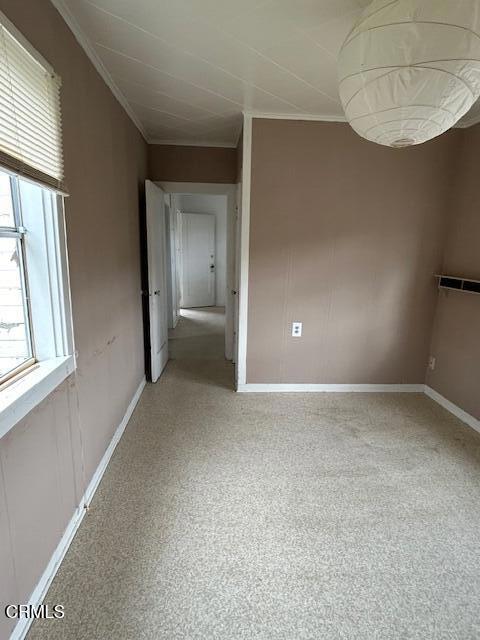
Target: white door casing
<point x="244" y="254"/>
<point x="236" y="279"/>
<point x="172" y="275"/>
<point x="198" y="260"/>
<point x="157" y="278"/>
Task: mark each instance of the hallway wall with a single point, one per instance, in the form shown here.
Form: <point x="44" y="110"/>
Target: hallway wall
<point x="43" y="473"/>
<point x="176" y="163"/>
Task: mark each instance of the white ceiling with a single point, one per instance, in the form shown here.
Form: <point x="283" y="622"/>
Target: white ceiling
<point x="188" y="68"/>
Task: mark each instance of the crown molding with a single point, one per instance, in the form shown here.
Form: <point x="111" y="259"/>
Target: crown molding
<point x="94" y="58"/>
<point x="182" y="143"/>
<point x="295" y="116"/>
<point x="465" y="123"/>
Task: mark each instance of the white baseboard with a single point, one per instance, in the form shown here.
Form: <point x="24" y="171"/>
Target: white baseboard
<point x="330" y="388"/>
<point x="97" y="476"/>
<point x="364" y="388"/>
<point x="453" y="408"/>
<point x="38" y="594"/>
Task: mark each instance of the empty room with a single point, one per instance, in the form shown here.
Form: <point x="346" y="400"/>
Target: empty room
<point x="239" y="319"/>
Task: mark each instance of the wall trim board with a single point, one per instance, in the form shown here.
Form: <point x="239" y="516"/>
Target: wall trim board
<point x="459" y="413"/>
<point x="330" y="388"/>
<point x="194" y="188"/>
<point x="94" y="58"/>
<point x="97" y="476"/>
<point x="199" y="143"/>
<point x="241" y="373"/>
<point x="465" y="123"/>
<point x="453" y="408"/>
<point x="23" y="625"/>
<point x="311" y="117"/>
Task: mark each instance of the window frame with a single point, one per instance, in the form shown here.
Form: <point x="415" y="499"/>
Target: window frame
<point x="50" y="317"/>
<point x="18" y="232"/>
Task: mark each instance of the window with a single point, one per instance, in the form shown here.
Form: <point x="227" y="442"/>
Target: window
<point x="16" y="348"/>
<point x="36" y="340"/>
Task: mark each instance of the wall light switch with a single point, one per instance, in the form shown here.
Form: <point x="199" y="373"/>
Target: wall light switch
<point x="432" y="361"/>
<point x="297" y="329"/>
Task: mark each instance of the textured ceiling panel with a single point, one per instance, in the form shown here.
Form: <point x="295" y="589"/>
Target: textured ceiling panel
<point x="188" y="68"/>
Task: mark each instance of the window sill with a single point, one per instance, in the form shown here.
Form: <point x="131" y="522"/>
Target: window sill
<point x="23" y="395"/>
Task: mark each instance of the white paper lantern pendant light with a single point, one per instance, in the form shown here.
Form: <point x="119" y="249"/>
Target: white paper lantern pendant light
<point x="410" y="69"/>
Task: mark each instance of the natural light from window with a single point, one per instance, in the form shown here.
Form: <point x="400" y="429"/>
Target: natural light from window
<point x="36" y="333"/>
<point x="15" y="343"/>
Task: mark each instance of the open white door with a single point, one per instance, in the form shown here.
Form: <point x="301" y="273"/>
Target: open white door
<point x="198" y="260"/>
<point x="157" y="278"/>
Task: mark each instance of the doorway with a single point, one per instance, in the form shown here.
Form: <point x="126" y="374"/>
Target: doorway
<point x="213" y="200"/>
<point x="197" y="241"/>
<point x="199" y="257"/>
<point x="202" y="255"/>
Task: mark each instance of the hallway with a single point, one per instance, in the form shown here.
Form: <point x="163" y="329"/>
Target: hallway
<point x="228" y="516"/>
<point x="199" y="334"/>
<point x="196" y="348"/>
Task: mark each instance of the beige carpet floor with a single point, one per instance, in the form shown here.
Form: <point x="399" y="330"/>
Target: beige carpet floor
<point x="275" y="517"/>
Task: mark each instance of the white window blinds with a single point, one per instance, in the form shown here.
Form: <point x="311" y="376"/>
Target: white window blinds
<point x="30" y="114"/>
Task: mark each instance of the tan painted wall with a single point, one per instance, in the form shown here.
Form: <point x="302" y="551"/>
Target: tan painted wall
<point x="170" y="163"/>
<point x="106" y="163"/>
<point x="456" y="336"/>
<point x="345" y="237"/>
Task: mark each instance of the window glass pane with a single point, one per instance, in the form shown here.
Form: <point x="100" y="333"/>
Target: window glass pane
<point x="14" y="331"/>
<point x="6" y="208"/>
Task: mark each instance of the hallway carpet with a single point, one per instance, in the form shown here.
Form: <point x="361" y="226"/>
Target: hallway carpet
<point x="234" y="516"/>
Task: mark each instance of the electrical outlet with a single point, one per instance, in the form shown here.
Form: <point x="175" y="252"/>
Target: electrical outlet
<point x="432" y="361"/>
<point x="297" y="329"/>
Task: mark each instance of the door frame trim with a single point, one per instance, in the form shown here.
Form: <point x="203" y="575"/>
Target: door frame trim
<point x="244" y="250"/>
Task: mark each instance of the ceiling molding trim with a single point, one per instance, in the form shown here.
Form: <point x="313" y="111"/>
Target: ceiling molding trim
<point x="465" y="123"/>
<point x="295" y="116"/>
<point x="94" y="58"/>
<point x="200" y="143"/>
